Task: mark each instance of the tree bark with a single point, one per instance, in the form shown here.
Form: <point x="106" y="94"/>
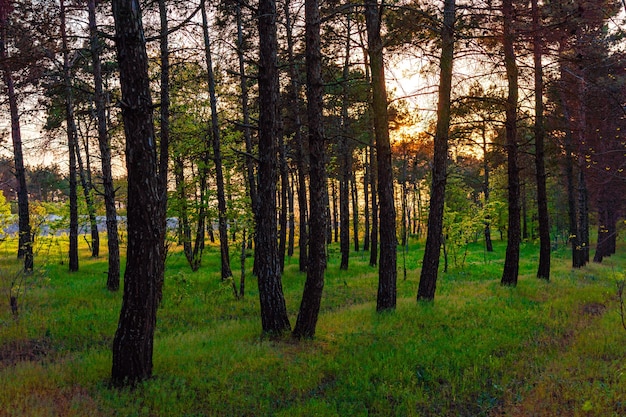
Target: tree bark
<point x="387" y="272"/>
<point x="72" y="141"/>
<point x="25" y="240"/>
<point x="274" y="317"/>
<point x="299" y="142"/>
<point x="543" y="270"/>
<point x="511" y="262"/>
<point x="104" y="143"/>
<point x="133" y="342"/>
<point x="84" y="175"/>
<point x="430" y="264"/>
<point x="217" y="153"/>
<point x="314" y="284"/>
<point x="345" y="152"/>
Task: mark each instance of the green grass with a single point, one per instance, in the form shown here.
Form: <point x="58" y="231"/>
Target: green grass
<point x="549" y="349"/>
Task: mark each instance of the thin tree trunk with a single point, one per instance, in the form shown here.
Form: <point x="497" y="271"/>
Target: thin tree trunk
<point x="486" y="191"/>
<point x="387" y="272"/>
<point x="355" y="212"/>
<point x="314" y="284"/>
<point x="164" y="133"/>
<point x="366" y="202"/>
<point x="543" y="270"/>
<point x="274" y="317"/>
<point x="345" y="152"/>
<point x="72" y="141"/>
<point x="430" y="264"/>
<point x="83" y="174"/>
<point x="104" y="143"/>
<point x="133" y="342"/>
<point x="284" y="204"/>
<point x="298" y="140"/>
<point x="25" y="240"/>
<point x="217" y="153"/>
<point x="292" y="219"/>
<point x="511" y="262"/>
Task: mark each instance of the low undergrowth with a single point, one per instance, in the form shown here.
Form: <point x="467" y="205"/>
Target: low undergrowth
<point x="480" y="349"/>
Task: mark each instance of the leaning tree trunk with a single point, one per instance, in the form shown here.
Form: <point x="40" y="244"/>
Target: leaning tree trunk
<point x="511" y="261"/>
<point x="314" y="284"/>
<point x="133" y="342"/>
<point x="274" y="317"/>
<point x="543" y="270"/>
<point x="217" y="153"/>
<point x="72" y="141"/>
<point x="104" y="143"/>
<point x="25" y="245"/>
<point x="387" y="273"/>
<point x="430" y="265"/>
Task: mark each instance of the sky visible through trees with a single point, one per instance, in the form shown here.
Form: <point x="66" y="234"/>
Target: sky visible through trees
<point x="279" y="124"/>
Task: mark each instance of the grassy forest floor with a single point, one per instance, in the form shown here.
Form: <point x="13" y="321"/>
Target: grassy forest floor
<point x="541" y="349"/>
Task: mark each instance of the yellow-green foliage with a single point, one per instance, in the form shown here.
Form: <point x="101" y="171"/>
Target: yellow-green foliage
<point x="548" y="349"/>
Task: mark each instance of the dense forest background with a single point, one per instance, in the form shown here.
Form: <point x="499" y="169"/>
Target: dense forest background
<point x="281" y="127"/>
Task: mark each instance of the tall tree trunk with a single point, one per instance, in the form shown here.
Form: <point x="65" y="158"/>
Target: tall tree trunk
<point x="25" y="240"/>
<point x="298" y="140"/>
<point x="387" y="272"/>
<point x="164" y="144"/>
<point x="133" y="342"/>
<point x="314" y="284"/>
<point x="72" y="141"/>
<point x="247" y="133"/>
<point x="345" y="152"/>
<point x="274" y="317"/>
<point x="543" y="270"/>
<point x="511" y="262"/>
<point x="217" y="153"/>
<point x="104" y="143"/>
<point x="430" y="264"/>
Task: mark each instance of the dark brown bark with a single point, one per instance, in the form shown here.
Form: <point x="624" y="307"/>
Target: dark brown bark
<point x="511" y="262"/>
<point x="430" y="264"/>
<point x="25" y="240"/>
<point x="314" y="284"/>
<point x="133" y="342"/>
<point x="366" y="202"/>
<point x="543" y="270"/>
<point x="387" y="272"/>
<point x="72" y="141"/>
<point x="104" y="143"/>
<point x="274" y="317"/>
<point x="217" y="153"/>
